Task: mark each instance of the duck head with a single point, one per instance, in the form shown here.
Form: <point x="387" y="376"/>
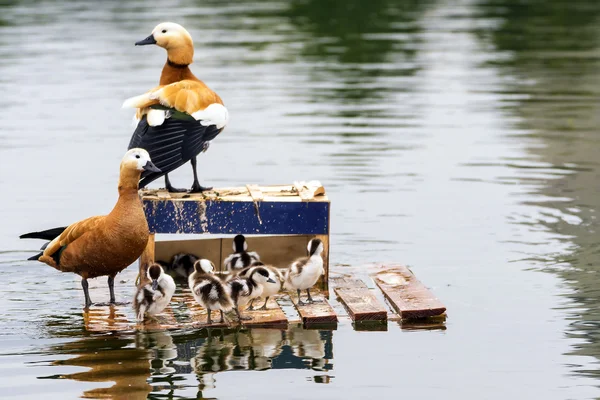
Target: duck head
<point x="134" y="164"/>
<point x="154" y="273"/>
<point x="315" y="247"/>
<point x="239" y="244"/>
<point x="204" y="266"/>
<point x="261" y="275"/>
<point x="175" y="39"/>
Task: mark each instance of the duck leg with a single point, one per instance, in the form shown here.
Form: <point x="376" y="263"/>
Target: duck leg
<point x="196" y="187"/>
<point x="240" y="318"/>
<point x="300" y="302"/>
<point x="209" y="321"/>
<point x="170" y="188"/>
<point x="111" y="288"/>
<point x="309" y="299"/>
<point x="222" y="320"/>
<point x="86" y="292"/>
<point x="264" y="307"/>
<point x="250" y="307"/>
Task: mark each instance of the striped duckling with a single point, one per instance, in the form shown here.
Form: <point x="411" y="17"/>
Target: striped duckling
<point x="153" y="296"/>
<point x="304" y="272"/>
<point x="246" y="288"/>
<point x="268" y="288"/>
<point x="208" y="290"/>
<point x="241" y="258"/>
<point x="182" y="264"/>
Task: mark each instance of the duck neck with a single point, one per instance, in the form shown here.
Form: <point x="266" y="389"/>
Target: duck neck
<point x="177" y="66"/>
<point x="128" y="182"/>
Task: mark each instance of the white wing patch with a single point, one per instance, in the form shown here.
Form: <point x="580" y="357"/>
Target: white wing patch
<point x="214" y="114"/>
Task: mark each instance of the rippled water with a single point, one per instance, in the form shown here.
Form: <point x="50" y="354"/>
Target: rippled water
<point x="459" y="137"/>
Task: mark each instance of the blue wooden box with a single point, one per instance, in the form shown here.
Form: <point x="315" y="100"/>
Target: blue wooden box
<point x="278" y="221"/>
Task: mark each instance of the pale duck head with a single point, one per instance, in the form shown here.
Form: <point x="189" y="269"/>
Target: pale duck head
<point x="175" y="39"/>
<point x="138" y="159"/>
<point x="261" y="275"/>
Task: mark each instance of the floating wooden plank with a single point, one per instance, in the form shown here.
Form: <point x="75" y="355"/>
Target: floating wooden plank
<point x="409" y="297"/>
<point x="120" y="318"/>
<point x="358" y="300"/>
<point x="316" y="313"/>
<point x="273" y="316"/>
<point x="199" y="316"/>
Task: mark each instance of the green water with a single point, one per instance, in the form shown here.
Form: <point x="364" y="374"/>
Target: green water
<point x="458" y="137"/>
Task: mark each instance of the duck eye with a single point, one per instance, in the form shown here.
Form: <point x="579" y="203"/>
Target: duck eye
<point x="137" y="156"/>
<point x="164" y="31"/>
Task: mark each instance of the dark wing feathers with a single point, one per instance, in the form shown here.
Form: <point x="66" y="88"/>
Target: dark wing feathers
<point x="171" y="144"/>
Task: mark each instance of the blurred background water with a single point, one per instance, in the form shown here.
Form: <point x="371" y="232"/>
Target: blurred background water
<point x="456" y="136"/>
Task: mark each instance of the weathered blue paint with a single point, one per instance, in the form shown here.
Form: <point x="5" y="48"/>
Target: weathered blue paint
<point x="234" y="217"/>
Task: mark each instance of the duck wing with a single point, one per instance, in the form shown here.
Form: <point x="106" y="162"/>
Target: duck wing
<point x="73" y="232"/>
<point x="173" y="143"/>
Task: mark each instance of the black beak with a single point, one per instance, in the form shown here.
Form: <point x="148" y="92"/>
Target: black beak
<point x="270" y="280"/>
<point x="149" y="40"/>
<point x="154" y="284"/>
<point x="151" y="167"/>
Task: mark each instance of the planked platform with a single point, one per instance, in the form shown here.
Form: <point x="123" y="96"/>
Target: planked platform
<point x="407" y="295"/>
<point x="361" y="304"/>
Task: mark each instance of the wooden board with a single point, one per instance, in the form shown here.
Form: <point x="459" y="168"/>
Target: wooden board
<point x="409" y="297"/>
<point x="316" y="313"/>
<point x="358" y="300"/>
<point x="273" y="316"/>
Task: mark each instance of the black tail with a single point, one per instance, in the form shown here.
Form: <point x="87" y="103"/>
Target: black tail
<point x="35" y="258"/>
<point x="49" y="234"/>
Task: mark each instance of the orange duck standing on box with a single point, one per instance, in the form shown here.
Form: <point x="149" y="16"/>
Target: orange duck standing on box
<point x="178" y="118"/>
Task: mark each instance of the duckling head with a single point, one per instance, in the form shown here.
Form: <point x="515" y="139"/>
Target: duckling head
<point x="175" y="39"/>
<point x="239" y="244"/>
<point x="261" y="275"/>
<point x="154" y="273"/>
<point x="315" y="247"/>
<point x="204" y="266"/>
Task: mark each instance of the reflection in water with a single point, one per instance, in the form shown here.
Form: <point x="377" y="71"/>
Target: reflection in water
<point x="553" y="47"/>
<point x="156" y="361"/>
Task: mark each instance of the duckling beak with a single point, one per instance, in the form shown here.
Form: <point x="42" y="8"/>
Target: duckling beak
<point x="154" y="284"/>
<point x="151" y="167"/>
<point x="149" y="40"/>
<point x="270" y="280"/>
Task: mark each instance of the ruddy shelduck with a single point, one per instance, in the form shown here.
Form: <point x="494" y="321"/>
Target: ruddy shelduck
<point x="178" y="118"/>
<point x="103" y="245"/>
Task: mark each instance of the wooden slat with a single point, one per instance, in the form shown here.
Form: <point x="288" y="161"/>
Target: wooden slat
<point x="358" y="300"/>
<point x="255" y="192"/>
<point x="199" y="315"/>
<point x="273" y="316"/>
<point x="316" y="313"/>
<point x="409" y="297"/>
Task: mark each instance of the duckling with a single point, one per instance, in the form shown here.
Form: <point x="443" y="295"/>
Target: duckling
<point x="178" y="118"/>
<point x="183" y="264"/>
<point x="305" y="272"/>
<point x="103" y="245"/>
<point x="245" y="289"/>
<point x="208" y="290"/>
<point x="240" y="257"/>
<point x="269" y="289"/>
<point x="154" y="296"/>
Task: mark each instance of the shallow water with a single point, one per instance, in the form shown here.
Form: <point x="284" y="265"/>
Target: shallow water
<point x="458" y="137"/>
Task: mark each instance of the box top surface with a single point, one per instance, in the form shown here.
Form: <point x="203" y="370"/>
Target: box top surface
<point x="311" y="191"/>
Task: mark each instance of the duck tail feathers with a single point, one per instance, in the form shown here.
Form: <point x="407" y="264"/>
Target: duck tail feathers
<point x="36" y="257"/>
<point x="49" y="234"/>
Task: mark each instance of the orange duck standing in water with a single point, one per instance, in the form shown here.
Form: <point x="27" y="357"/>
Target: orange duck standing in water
<point x="103" y="245"/>
<point x="178" y="118"/>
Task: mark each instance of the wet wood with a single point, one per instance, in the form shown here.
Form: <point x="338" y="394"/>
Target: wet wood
<point x="273" y="316"/>
<point x="359" y="301"/>
<point x="198" y="316"/>
<point x="316" y="313"/>
<point x="407" y="295"/>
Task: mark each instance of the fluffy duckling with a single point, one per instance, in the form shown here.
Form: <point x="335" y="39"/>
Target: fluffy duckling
<point x="155" y="295"/>
<point x="183" y="264"/>
<point x="245" y="289"/>
<point x="269" y="288"/>
<point x="241" y="258"/>
<point x="178" y="118"/>
<point x="103" y="245"/>
<point x="208" y="290"/>
<point x="305" y="272"/>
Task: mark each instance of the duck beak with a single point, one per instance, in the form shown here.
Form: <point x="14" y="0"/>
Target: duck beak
<point x="154" y="284"/>
<point x="270" y="280"/>
<point x="149" y="40"/>
<point x="151" y="167"/>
